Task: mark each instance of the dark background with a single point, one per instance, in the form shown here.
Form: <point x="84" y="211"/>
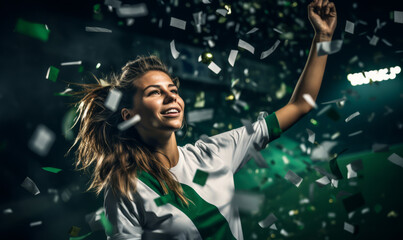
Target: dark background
<point x="29" y="99"/>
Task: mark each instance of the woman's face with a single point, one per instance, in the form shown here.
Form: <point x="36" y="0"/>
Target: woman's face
<point x="158" y="103"/>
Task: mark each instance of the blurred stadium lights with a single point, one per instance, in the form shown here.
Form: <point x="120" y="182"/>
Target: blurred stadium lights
<point x="373" y="76"/>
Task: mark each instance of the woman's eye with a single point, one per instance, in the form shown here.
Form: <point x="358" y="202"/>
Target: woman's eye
<point x="154" y="92"/>
<point x="174" y="91"/>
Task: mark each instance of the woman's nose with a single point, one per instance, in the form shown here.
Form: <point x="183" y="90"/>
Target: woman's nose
<point x="171" y="97"/>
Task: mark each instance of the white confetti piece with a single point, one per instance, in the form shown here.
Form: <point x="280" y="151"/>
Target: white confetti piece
<point x="398" y="16"/>
<point x="277" y="30"/>
<point x="129" y="123"/>
<point x="348" y="227"/>
<point x="355" y="133"/>
<point x="267" y="53"/>
<point x="350" y="172"/>
<point x="396" y="159"/>
<point x="42" y="140"/>
<point x="223" y="12"/>
<point x="30" y="186"/>
<point x="97" y="29"/>
<point x="200" y="115"/>
<point x="253" y="30"/>
<point x="308" y="98"/>
<point x="349" y="27"/>
<point x="7" y="211"/>
<point x="386" y="42"/>
<point x="113" y="99"/>
<point x="268" y="221"/>
<point x="178" y="23"/>
<point x="323" y="181"/>
<point x="213" y="67"/>
<point x="174" y="52"/>
<point x="311" y="135"/>
<point x="34" y="224"/>
<point x="206" y="1"/>
<point x="232" y="57"/>
<point x="335" y="101"/>
<point x="71" y="63"/>
<point x="132" y="11"/>
<point x="323" y="110"/>
<point x="374" y="40"/>
<point x="335" y="183"/>
<point x="352" y="116"/>
<point x="329" y="47"/>
<point x="246" y="46"/>
<point x="293" y="178"/>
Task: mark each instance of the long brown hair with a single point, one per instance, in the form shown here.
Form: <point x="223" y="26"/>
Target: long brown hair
<point x="115" y="157"/>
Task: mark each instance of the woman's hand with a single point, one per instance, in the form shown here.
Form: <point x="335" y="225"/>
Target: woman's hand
<point x="323" y="17"/>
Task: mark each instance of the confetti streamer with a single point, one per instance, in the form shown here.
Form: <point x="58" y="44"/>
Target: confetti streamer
<point x="174" y="52"/>
<point x="34" y="224"/>
<point x="177" y="23"/>
<point x="355" y="133"/>
<point x="232" y="57"/>
<point x="335" y="101"/>
<point x="293" y="178"/>
<point x="213" y="67"/>
<point x="246" y="46"/>
<point x="113" y="99"/>
<point x="253" y="30"/>
<point x="52" y="169"/>
<point x="267" y="53"/>
<point x="352" y="116"/>
<point x="97" y="29"/>
<point x="71" y="63"/>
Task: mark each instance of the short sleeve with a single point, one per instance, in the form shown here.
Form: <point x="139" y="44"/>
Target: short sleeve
<point x="122" y="214"/>
<point x="234" y="146"/>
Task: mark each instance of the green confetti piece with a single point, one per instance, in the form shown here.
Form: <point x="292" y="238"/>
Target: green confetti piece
<point x="81" y="69"/>
<point x="97" y="8"/>
<point x="52" y="169"/>
<point x="52" y="74"/>
<point x="106" y="224"/>
<point x="81" y="237"/>
<point x="34" y="30"/>
<point x="200" y="177"/>
<point x="314" y="122"/>
<point x="120" y="23"/>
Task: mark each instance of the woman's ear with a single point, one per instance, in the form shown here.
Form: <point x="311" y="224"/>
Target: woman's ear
<point x="126" y="114"/>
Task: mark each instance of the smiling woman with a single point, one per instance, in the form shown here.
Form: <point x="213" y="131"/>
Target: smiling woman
<point x="157" y="190"/>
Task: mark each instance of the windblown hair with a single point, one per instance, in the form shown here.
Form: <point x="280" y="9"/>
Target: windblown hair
<point x="113" y="157"/>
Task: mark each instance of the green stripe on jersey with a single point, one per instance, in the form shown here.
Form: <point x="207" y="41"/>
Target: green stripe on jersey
<point x="273" y="126"/>
<point x="205" y="216"/>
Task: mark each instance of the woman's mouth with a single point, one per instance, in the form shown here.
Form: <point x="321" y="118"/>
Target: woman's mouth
<point x="171" y="112"/>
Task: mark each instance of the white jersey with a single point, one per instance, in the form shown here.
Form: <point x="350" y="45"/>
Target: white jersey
<point x="205" y="171"/>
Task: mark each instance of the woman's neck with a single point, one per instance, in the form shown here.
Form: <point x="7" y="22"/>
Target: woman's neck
<point x="165" y="147"/>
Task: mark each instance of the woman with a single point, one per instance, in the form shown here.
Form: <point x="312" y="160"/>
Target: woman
<point x="155" y="189"/>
